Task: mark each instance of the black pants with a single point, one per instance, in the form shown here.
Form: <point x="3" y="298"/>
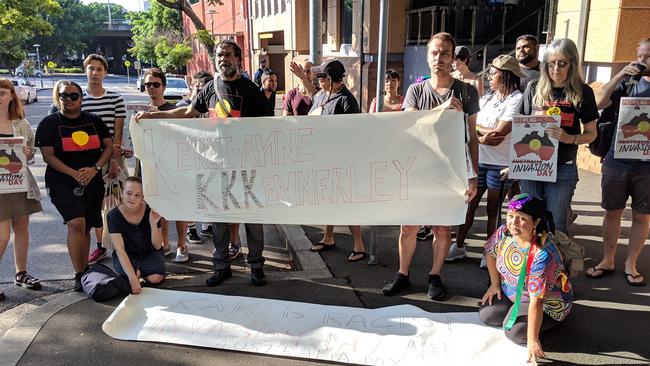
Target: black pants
<point x="221" y="238"/>
<point x="498" y="314"/>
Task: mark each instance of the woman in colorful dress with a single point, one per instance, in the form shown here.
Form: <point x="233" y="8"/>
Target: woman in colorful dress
<point x="529" y="290"/>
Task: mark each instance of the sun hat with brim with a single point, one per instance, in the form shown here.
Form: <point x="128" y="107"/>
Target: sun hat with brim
<point x="509" y="63"/>
<point x="333" y="68"/>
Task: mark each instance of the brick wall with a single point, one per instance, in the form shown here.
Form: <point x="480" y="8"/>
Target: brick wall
<point x="587" y="161"/>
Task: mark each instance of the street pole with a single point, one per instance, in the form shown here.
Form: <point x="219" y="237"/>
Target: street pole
<point x="110" y="20"/>
<point x="315" y="34"/>
<point x="38" y="62"/>
<point x="381" y="59"/>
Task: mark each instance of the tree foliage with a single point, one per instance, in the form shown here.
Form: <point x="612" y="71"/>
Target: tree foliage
<point x="20" y="21"/>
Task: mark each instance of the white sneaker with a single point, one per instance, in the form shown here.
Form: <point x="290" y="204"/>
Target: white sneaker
<point x="455" y="253"/>
<point x="182" y="255"/>
<point x="483" y="262"/>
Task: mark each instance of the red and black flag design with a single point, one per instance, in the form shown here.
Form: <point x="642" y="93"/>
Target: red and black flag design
<point x="639" y="125"/>
<point x="10" y="162"/>
<point x="79" y="138"/>
<point x="533" y="143"/>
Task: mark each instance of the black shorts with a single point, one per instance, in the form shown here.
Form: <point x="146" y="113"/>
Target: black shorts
<point x="619" y="184"/>
<point x="149" y="264"/>
<point x="88" y="206"/>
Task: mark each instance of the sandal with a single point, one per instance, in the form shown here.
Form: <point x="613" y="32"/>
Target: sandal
<point x="630" y="281"/>
<point x="356" y="256"/>
<point x="321" y="247"/>
<point x="24" y="279"/>
<point x="2" y="296"/>
<point x="603" y="272"/>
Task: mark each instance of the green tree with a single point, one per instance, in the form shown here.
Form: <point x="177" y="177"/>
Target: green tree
<point x="20" y="21"/>
<point x="100" y="11"/>
<point x="172" y="57"/>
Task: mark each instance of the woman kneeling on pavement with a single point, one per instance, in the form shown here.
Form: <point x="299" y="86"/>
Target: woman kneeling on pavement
<point x="16" y="207"/>
<point x="525" y="266"/>
<point x="135" y="231"/>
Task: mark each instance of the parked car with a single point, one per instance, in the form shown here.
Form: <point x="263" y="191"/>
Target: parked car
<point x="20" y="72"/>
<point x="176" y="89"/>
<point x="25" y="90"/>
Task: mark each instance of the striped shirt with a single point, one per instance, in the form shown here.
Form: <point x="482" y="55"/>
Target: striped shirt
<point x="108" y="107"/>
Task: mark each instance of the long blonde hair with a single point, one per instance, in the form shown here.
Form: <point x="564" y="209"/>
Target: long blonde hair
<point x="573" y="85"/>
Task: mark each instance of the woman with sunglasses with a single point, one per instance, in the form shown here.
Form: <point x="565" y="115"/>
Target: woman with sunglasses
<point x="525" y="266"/>
<point x="560" y="91"/>
<point x="75" y="146"/>
<point x="16" y="207"/>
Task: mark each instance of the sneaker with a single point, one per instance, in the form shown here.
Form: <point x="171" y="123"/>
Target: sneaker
<point x="167" y="249"/>
<point x="397" y="284"/>
<point x="182" y="255"/>
<point x="97" y="255"/>
<point x="24" y="279"/>
<point x="424" y="233"/>
<point x="206" y="231"/>
<point x="483" y="264"/>
<point x="455" y="253"/>
<point x="192" y="236"/>
<point x="77" y="282"/>
<point x="436" y="290"/>
<point x="257" y="277"/>
<point x="219" y="276"/>
<point x="233" y="251"/>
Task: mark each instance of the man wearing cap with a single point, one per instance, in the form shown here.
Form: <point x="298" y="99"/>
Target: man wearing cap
<point x="462" y="71"/>
<point x="526" y="50"/>
<point x="228" y="95"/>
<point x="493" y="125"/>
<point x="335" y="98"/>
<point x="440" y="89"/>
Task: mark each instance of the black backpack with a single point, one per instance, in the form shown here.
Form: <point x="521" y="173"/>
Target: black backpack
<point x="102" y="283"/>
<point x="605" y="129"/>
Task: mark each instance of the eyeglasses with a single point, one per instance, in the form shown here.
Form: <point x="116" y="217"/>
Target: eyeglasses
<point x="559" y="64"/>
<point x="69" y="96"/>
<point x="155" y="84"/>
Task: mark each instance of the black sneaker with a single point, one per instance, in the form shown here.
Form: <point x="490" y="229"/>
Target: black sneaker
<point x="397" y="284"/>
<point x="77" y="282"/>
<point x="424" y="233"/>
<point x="219" y="276"/>
<point x="257" y="277"/>
<point x="193" y="236"/>
<point x="436" y="288"/>
<point x="207" y="232"/>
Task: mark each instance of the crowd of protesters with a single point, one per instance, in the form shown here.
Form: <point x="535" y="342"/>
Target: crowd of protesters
<point x="81" y="143"/>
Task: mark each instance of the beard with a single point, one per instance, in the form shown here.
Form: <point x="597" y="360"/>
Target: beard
<point x="227" y="71"/>
<point x="526" y="59"/>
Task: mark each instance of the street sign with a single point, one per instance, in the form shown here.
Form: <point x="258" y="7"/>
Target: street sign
<point x="127" y="63"/>
<point x="31" y="54"/>
<point x="136" y="65"/>
<point x="51" y="65"/>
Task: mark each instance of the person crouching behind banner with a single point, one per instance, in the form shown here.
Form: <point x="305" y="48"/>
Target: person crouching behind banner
<point x="136" y="235"/>
<point x="15" y="208"/>
<point x="525" y="266"/>
<point x="75" y="146"/>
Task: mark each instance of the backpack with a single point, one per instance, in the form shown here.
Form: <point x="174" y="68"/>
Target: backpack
<point x="102" y="283"/>
<point x="573" y="254"/>
<point x="605" y="128"/>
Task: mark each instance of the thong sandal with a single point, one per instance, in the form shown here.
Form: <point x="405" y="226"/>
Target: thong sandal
<point x="322" y="247"/>
<point x="631" y="281"/>
<point x="603" y="272"/>
<point x="356" y="256"/>
<point x="24" y="279"/>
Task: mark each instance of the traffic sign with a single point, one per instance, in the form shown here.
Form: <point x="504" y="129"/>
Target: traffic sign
<point x="51" y="65"/>
<point x="136" y="64"/>
<point x="127" y="63"/>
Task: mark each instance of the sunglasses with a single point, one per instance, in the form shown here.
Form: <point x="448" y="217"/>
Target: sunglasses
<point x="559" y="64"/>
<point x="69" y="96"/>
<point x="153" y="85"/>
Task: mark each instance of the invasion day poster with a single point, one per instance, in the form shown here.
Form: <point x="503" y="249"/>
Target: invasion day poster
<point x="533" y="153"/>
<point x="13" y="177"/>
<point x="633" y="130"/>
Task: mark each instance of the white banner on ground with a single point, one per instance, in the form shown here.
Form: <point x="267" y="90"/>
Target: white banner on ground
<point x="364" y="169"/>
<point x="533" y="153"/>
<point x="396" y="335"/>
<point x="633" y="129"/>
<point x="13" y="164"/>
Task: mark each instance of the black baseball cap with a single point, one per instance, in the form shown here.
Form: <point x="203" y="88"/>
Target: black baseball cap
<point x="333" y="68"/>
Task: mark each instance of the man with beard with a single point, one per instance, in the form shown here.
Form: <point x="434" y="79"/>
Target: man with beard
<point x="269" y="85"/>
<point x="526" y="50"/>
<point x="228" y="95"/>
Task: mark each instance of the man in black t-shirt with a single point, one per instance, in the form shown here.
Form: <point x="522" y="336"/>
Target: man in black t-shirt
<point x="228" y="95"/>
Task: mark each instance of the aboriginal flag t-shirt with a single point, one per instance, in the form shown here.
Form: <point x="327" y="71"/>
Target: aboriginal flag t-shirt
<point x="239" y="98"/>
<point x="76" y="142"/>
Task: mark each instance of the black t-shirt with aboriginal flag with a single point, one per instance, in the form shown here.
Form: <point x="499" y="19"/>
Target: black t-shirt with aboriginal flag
<point x="570" y="116"/>
<point x="240" y="98"/>
<point x="77" y="143"/>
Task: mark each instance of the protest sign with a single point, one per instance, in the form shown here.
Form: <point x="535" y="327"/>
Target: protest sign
<point x="533" y="153"/>
<point x="633" y="129"/>
<point x="13" y="165"/>
<point x="353" y="169"/>
<point x="396" y="335"/>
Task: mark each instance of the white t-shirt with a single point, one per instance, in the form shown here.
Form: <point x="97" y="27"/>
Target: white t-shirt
<point x="492" y="111"/>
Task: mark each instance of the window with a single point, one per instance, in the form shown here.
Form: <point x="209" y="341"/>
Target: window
<point x="346" y="24"/>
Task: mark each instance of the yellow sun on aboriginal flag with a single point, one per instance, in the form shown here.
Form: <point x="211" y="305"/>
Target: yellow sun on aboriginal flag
<point x="80" y="138"/>
<point x="553" y="111"/>
<point x="535" y="144"/>
<point x="643" y="126"/>
<point x="4" y="161"/>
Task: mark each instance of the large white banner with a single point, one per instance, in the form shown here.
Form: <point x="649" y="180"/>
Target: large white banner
<point x="396" y="335"/>
<point x="364" y="169"/>
<point x="13" y="165"/>
<point x="633" y="129"/>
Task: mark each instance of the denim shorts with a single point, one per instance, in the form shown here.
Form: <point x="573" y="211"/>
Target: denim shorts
<point x="490" y="176"/>
<point x="618" y="184"/>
